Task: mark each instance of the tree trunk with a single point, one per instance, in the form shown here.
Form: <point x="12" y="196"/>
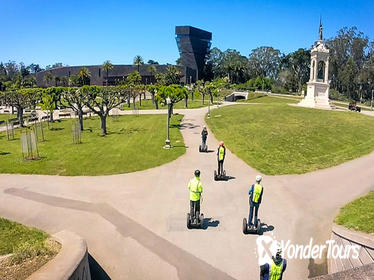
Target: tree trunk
<point x="128" y="102"/>
<point x="153" y="98"/>
<point x="103" y="124"/>
<point x="192" y="95"/>
<point x="211" y="98"/>
<point x="171" y="109"/>
<point x="80" y="117"/>
<point x="140" y="99"/>
<point x="133" y="102"/>
<point x="12" y="110"/>
<point x="203" y="98"/>
<point x="186" y="101"/>
<point x="156" y="103"/>
<point x="51" y="116"/>
<point x="20" y="115"/>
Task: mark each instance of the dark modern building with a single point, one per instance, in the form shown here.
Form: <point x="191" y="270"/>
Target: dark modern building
<point x="193" y="44"/>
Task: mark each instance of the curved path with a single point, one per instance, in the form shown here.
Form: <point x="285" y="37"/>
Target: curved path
<point x="134" y="223"/>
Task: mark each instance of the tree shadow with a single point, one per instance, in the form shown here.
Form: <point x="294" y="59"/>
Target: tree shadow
<point x="4" y="153"/>
<point x="208" y="222"/>
<point x="56" y="128"/>
<point x="188" y="126"/>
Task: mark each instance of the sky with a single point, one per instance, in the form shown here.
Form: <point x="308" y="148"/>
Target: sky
<point x="80" y="32"/>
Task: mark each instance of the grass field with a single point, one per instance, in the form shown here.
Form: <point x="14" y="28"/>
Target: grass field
<point x="29" y="247"/>
<point x="133" y="143"/>
<point x="5" y="117"/>
<point x="358" y="214"/>
<point x="276" y="138"/>
<point x="147" y="105"/>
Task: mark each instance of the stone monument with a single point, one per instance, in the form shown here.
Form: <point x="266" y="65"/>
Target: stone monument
<point x="317" y="95"/>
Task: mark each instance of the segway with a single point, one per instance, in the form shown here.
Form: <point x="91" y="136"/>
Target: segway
<point x="195" y="222"/>
<point x="218" y="177"/>
<point x="251" y="229"/>
<point x="203" y="147"/>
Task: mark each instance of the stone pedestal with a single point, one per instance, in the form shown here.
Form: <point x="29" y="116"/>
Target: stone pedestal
<point x="317" y="96"/>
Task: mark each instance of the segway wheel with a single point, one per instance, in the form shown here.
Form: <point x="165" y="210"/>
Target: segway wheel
<point x="206" y="148"/>
<point x="258" y="226"/>
<point x="200" y="148"/>
<point x="188" y="220"/>
<point x="245" y="226"/>
<point x="224" y="173"/>
<point x="201" y="220"/>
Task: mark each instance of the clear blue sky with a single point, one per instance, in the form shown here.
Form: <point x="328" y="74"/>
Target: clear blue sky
<point x="88" y="32"/>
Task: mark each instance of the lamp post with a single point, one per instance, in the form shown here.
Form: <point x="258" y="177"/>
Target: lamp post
<point x="167" y="141"/>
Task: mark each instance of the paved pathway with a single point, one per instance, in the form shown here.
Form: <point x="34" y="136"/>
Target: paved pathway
<point x="135" y="223"/>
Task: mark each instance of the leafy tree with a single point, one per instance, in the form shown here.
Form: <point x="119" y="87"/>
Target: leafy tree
<point x="103" y="99"/>
<point x="152" y="70"/>
<point x="75" y="99"/>
<point x="84" y="76"/>
<point x="47" y="78"/>
<point x="153" y="90"/>
<point x="264" y="61"/>
<point x="21" y="99"/>
<point x="171" y="76"/>
<point x="133" y="81"/>
<point x="138" y="60"/>
<point x="175" y="93"/>
<point x="152" y="62"/>
<point x="48" y="105"/>
<point x="107" y="66"/>
<point x="298" y="64"/>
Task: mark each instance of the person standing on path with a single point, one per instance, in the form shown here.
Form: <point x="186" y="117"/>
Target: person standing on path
<point x="255" y="198"/>
<point x="221" y="153"/>
<point x="196" y="189"/>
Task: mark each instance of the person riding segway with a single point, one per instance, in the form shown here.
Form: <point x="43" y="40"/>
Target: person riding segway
<point x="221" y="154"/>
<point x="255" y="197"/>
<point x="204" y="135"/>
<point x="194" y="218"/>
<point x="274" y="270"/>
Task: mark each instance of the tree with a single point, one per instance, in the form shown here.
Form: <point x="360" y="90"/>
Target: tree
<point x="103" y="99"/>
<point x="153" y="90"/>
<point x="47" y="78"/>
<point x="152" y="70"/>
<point x="171" y="76"/>
<point x="152" y="62"/>
<point x="107" y="66"/>
<point x="175" y="93"/>
<point x="298" y="64"/>
<point x="138" y="60"/>
<point x="84" y="76"/>
<point x="21" y="99"/>
<point x="48" y="105"/>
<point x="133" y="81"/>
<point x="75" y="99"/>
<point x="264" y="61"/>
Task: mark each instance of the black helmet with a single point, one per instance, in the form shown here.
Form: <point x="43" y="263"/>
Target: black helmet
<point x="197" y="173"/>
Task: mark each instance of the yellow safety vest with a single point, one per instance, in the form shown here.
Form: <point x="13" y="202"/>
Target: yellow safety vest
<point x="195" y="188"/>
<point x="221" y="152"/>
<point x="276" y="271"/>
<point x="256" y="193"/>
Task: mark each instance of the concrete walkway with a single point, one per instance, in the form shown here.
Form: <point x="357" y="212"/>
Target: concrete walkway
<point x="135" y="224"/>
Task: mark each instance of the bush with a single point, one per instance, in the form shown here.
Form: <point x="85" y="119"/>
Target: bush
<point x="279" y="89"/>
<point x="336" y="95"/>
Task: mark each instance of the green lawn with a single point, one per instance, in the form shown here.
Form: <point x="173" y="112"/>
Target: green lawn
<point x="133" y="143"/>
<point x="258" y="98"/>
<point x="14" y="235"/>
<point x="5" y="117"/>
<point x="147" y="105"/>
<point x="358" y="214"/>
<point x="276" y="138"/>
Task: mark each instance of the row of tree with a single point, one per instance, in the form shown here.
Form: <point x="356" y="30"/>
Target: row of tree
<point x="351" y="70"/>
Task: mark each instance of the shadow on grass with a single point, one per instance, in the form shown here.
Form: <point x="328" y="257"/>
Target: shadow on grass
<point x="56" y="128"/>
<point x="4" y="153"/>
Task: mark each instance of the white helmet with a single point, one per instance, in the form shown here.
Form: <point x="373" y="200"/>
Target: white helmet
<point x="258" y="178"/>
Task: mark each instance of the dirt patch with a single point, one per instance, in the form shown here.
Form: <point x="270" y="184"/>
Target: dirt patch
<point x="10" y="269"/>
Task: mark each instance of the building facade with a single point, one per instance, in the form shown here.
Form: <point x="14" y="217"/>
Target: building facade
<point x="193" y="45"/>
